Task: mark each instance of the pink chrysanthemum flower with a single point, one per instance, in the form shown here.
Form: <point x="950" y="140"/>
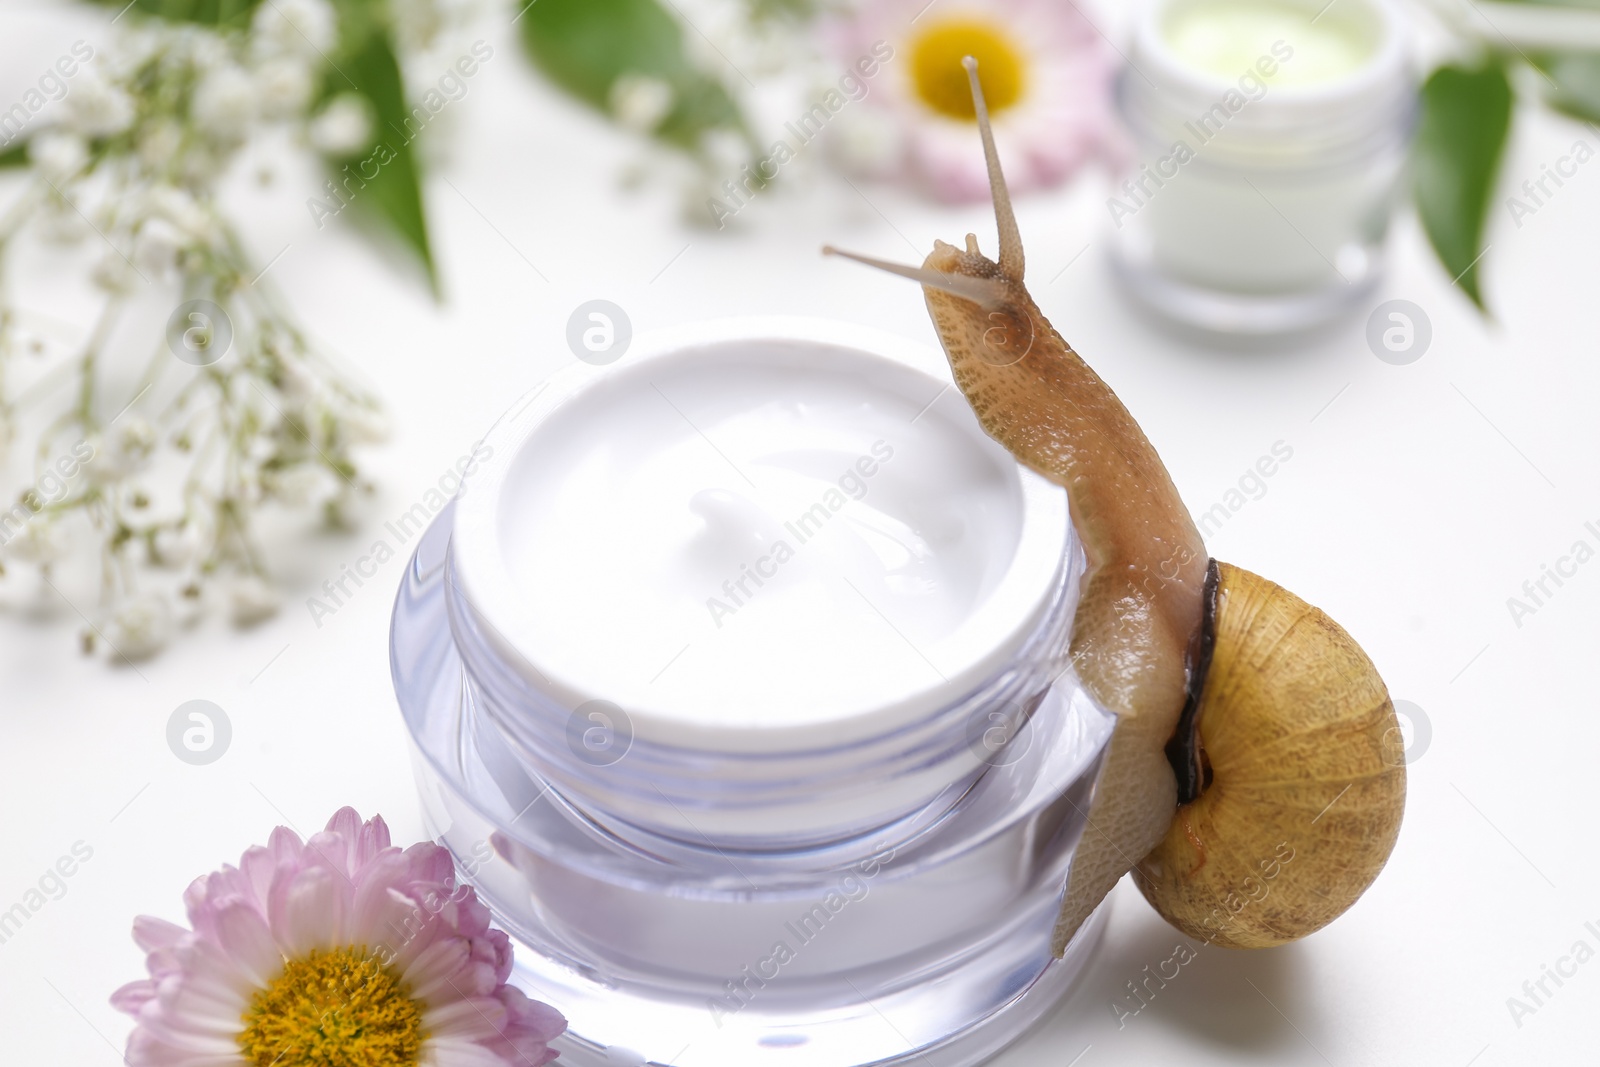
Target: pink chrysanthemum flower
<point x="340" y="951"/>
<point x="1046" y="74"/>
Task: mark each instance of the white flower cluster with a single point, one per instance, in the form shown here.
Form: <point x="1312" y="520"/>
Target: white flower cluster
<point x="137" y="150"/>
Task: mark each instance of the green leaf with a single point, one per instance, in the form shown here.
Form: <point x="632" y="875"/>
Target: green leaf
<point x="385" y="180"/>
<point x="584" y="46"/>
<point x="783" y="9"/>
<point x="1577" y="84"/>
<point x="16" y="155"/>
<point x="1466" y="116"/>
<point x="204" y="12"/>
<point x="1582" y="4"/>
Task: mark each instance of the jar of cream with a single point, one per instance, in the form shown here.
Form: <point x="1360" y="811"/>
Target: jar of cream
<point x="737" y="683"/>
<point x="1269" y="138"/>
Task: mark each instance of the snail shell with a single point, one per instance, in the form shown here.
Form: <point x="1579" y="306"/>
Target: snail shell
<point x="1290" y="783"/>
<point x="1246" y="780"/>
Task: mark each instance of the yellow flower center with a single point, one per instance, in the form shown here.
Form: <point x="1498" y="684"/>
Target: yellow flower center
<point x="335" y="1008"/>
<point x="941" y="80"/>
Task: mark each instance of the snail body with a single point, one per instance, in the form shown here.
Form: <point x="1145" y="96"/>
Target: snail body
<point x="1250" y="727"/>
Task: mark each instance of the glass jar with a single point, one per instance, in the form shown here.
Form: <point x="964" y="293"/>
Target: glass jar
<point x="1269" y="141"/>
<point x="877" y="891"/>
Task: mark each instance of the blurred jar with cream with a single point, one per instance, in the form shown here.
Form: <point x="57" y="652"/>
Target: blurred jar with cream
<point x="1269" y="138"/>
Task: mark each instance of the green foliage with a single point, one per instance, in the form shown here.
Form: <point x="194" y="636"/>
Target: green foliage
<point x="205" y="12"/>
<point x="366" y="65"/>
<point x="783" y="9"/>
<point x="1466" y="117"/>
<point x="1577" y="84"/>
<point x="584" y="46"/>
<point x="14" y="156"/>
<point x="363" y="62"/>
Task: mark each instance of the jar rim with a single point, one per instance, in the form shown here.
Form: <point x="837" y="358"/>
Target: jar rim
<point x="1373" y="81"/>
<point x="979" y="645"/>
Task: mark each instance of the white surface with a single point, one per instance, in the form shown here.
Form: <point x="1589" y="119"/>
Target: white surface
<point x="661" y="533"/>
<point x="1418" y="499"/>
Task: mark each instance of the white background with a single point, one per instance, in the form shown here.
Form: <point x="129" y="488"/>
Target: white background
<point x="1419" y="498"/>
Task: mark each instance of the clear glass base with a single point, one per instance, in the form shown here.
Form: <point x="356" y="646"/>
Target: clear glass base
<point x="960" y="1022"/>
<point x="925" y="941"/>
<point x="1220" y="313"/>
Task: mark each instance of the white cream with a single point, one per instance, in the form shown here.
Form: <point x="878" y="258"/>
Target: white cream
<point x="1226" y="37"/>
<point x="758" y="544"/>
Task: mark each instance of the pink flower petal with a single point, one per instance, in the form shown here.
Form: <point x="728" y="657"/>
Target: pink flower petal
<point x="285" y="845"/>
<point x="477" y="1019"/>
<point x="432" y="972"/>
<point x="133" y="996"/>
<point x="147" y="1050"/>
<point x="243" y="935"/>
<point x="387" y="870"/>
<point x="347" y="824"/>
<point x="455" y="1053"/>
<point x="191" y="1040"/>
<point x="372" y="839"/>
<point x="188" y="1006"/>
<point x="536" y="1018"/>
<point x="151" y="933"/>
<point x="257" y="867"/>
<point x="213" y="972"/>
<point x="307" y="910"/>
<point x="431" y="862"/>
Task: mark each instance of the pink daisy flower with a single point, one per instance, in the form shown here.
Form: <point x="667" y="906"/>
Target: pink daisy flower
<point x="1046" y="74"/>
<point x="340" y="951"/>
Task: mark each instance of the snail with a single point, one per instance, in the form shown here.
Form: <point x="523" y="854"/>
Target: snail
<point x="1251" y="782"/>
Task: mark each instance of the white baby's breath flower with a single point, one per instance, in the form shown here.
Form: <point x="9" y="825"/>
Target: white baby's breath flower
<point x="95" y="107"/>
<point x="295" y="381"/>
<point x="225" y="104"/>
<point x="174" y="546"/>
<point x="723" y="156"/>
<point x="640" y="102"/>
<point x="202" y="164"/>
<point x="159" y="141"/>
<point x="252" y="599"/>
<point x="299" y="484"/>
<point x="168" y="106"/>
<point x="179" y="208"/>
<point x="125" y="449"/>
<point x="343" y="127"/>
<point x="114" y="272"/>
<point x="284" y="85"/>
<point x="59" y="224"/>
<point x="417" y="22"/>
<point x="725" y="151"/>
<point x="155" y="251"/>
<point x="207" y="51"/>
<point x="135" y="47"/>
<point x="364" y="425"/>
<point x="140" y="626"/>
<point x="41" y="540"/>
<point x="298" y="27"/>
<point x="58" y="156"/>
